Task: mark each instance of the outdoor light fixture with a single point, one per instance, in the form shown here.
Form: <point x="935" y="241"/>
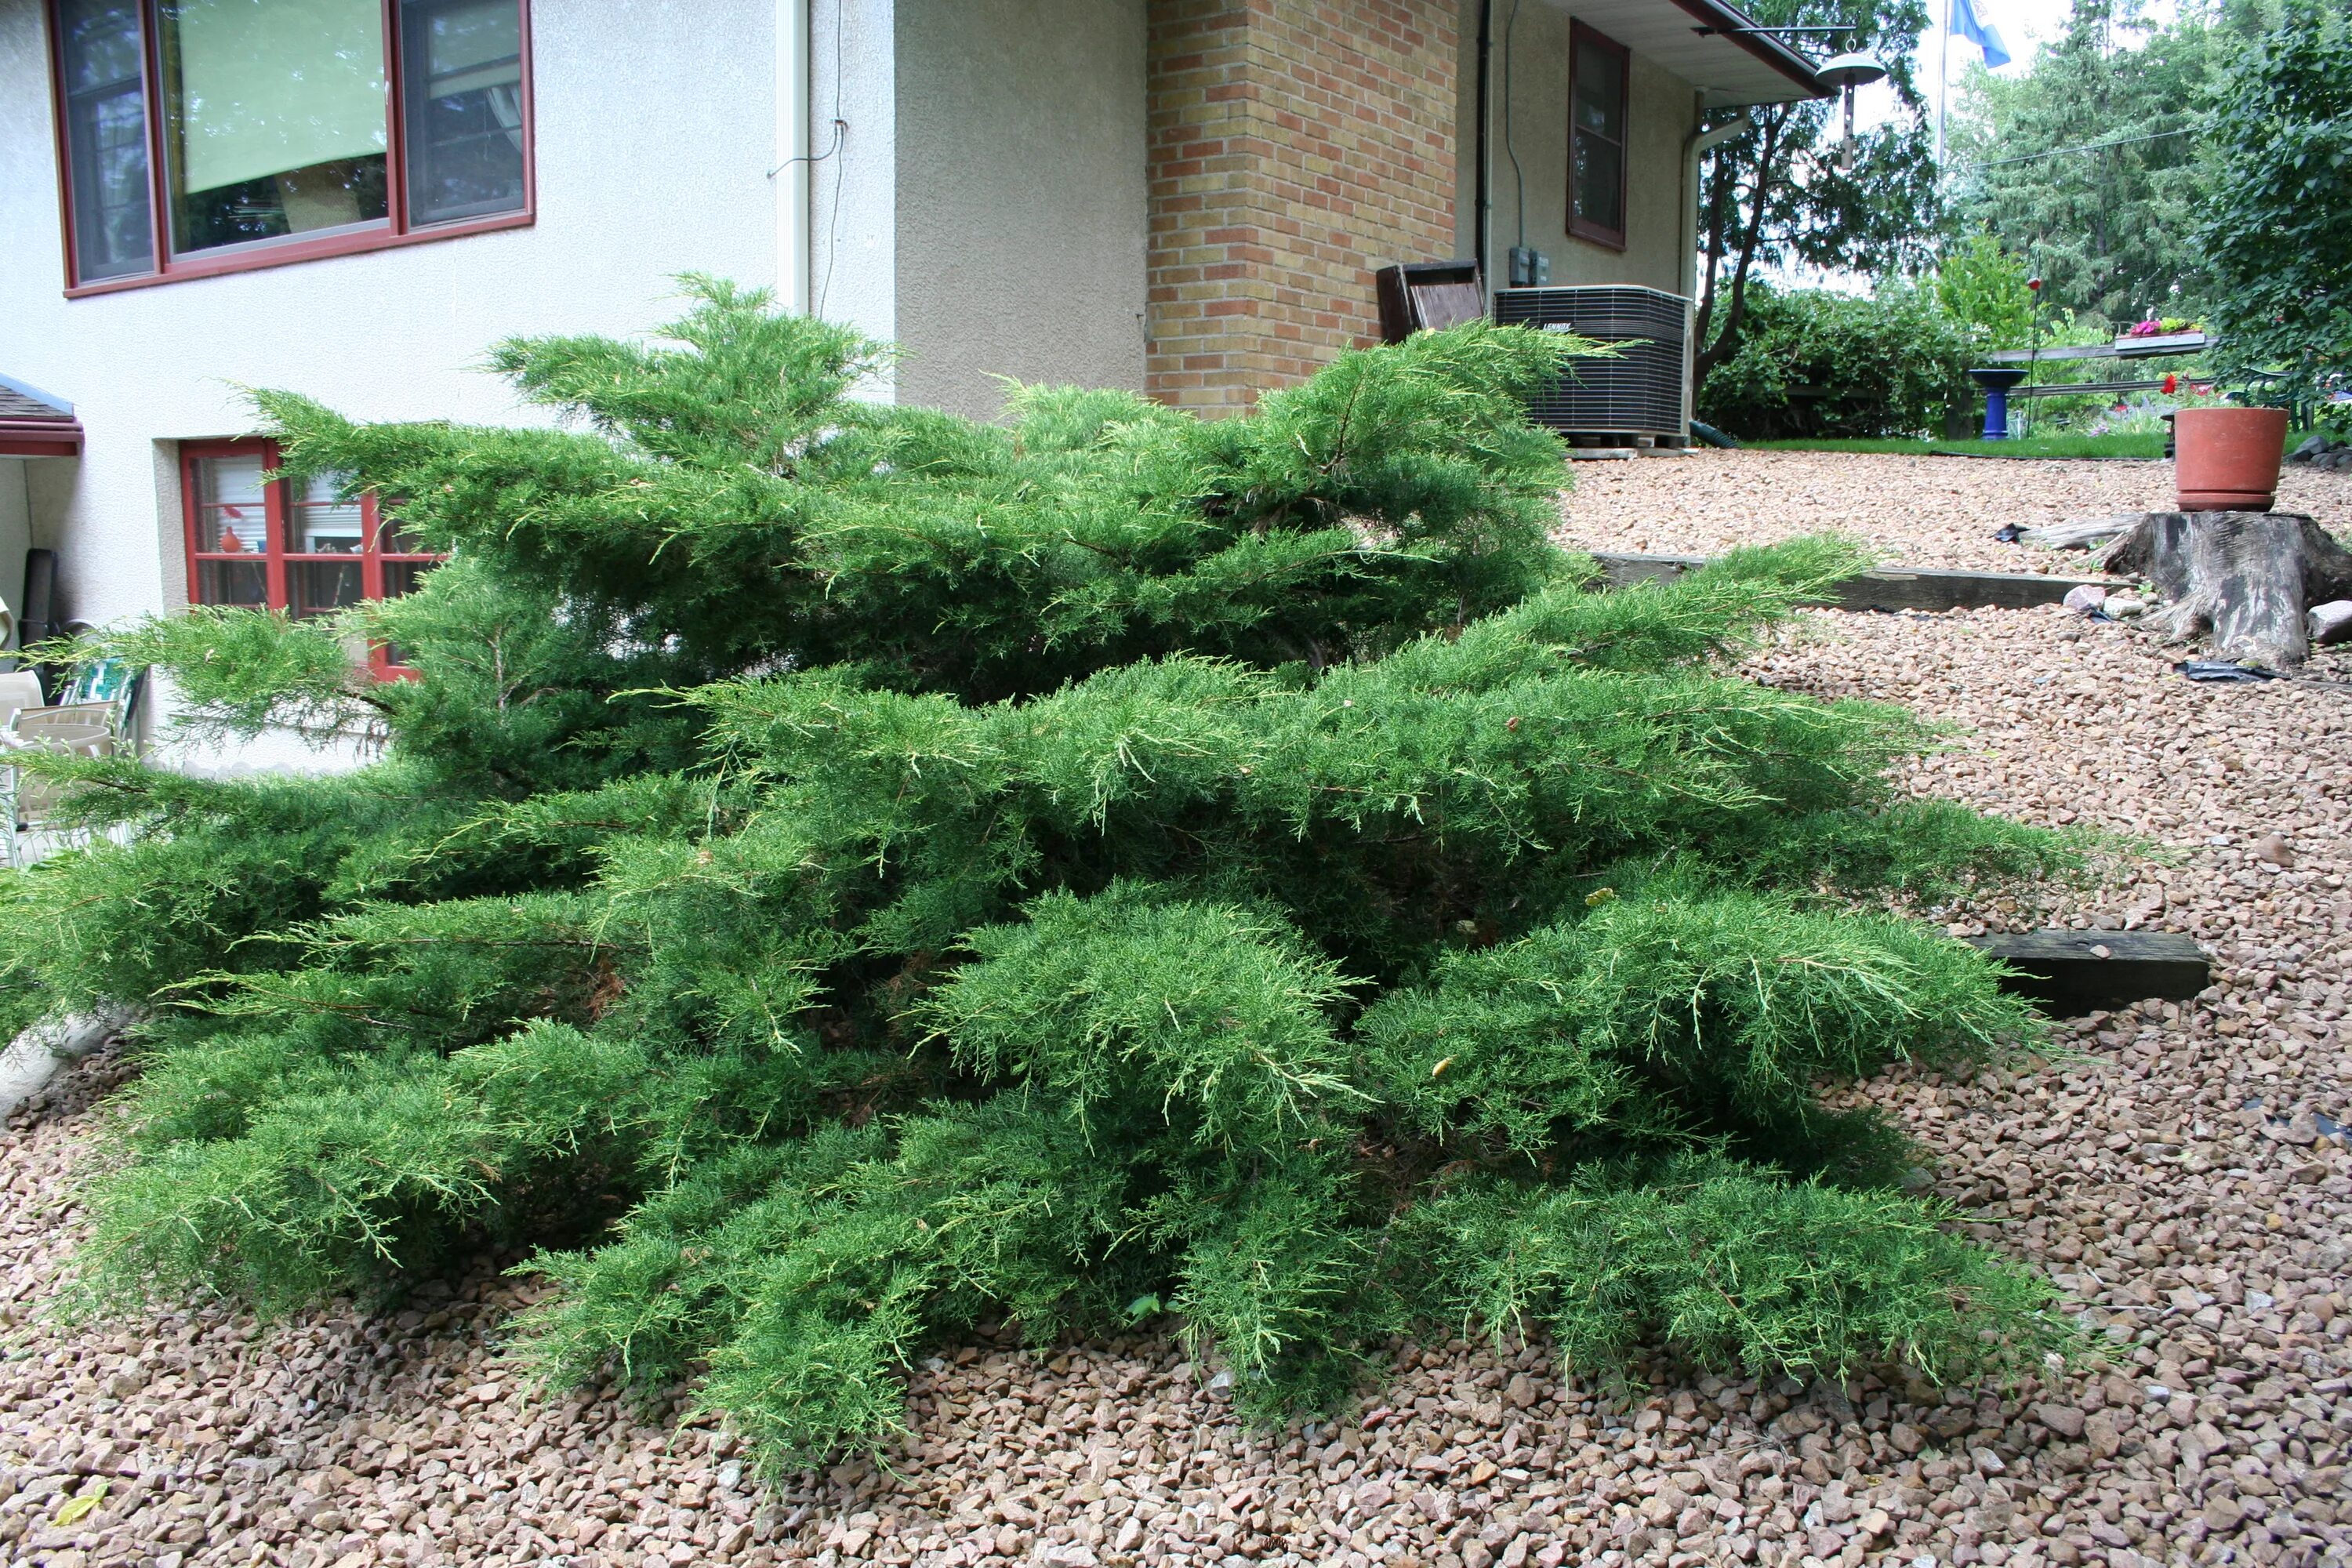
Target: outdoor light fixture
<point x="1845" y="72"/>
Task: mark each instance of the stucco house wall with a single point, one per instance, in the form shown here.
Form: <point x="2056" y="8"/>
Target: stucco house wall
<point x="1020" y="228"/>
<point x="655" y="130"/>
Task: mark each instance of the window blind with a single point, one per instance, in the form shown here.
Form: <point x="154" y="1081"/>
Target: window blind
<point x="270" y="85"/>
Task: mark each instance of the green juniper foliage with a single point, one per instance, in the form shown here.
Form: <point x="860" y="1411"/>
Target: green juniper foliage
<point x="844" y="873"/>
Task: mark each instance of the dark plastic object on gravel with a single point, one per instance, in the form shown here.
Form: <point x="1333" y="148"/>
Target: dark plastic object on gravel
<point x="2222" y="671"/>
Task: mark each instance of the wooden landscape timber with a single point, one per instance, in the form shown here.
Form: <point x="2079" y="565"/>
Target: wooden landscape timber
<point x="2072" y="973"/>
<point x="1888" y="588"/>
<point x="2246" y="576"/>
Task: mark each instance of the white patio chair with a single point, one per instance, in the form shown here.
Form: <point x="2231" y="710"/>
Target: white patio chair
<point x="81" y="730"/>
<point x="19" y="690"/>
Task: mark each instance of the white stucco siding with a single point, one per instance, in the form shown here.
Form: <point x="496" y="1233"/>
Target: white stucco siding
<point x="1020" y="222"/>
<point x="654" y="135"/>
<point x="853" y="178"/>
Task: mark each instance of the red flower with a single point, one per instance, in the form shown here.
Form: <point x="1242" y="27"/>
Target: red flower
<point x="2172" y="384"/>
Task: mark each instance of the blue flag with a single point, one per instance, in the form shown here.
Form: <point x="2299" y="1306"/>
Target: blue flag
<point x="1980" y="32"/>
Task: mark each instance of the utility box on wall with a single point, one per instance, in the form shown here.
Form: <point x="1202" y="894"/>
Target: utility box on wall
<point x="1638" y="394"/>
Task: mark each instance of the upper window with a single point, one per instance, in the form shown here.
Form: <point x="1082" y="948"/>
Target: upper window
<point x="296" y="545"/>
<point x="1596" y="137"/>
<point x="201" y="136"/>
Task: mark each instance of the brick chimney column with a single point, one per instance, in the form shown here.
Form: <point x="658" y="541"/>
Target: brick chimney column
<point x="1295" y="147"/>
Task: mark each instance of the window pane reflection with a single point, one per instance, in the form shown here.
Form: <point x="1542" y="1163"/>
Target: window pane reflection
<point x="314" y="587"/>
<point x="463" y="60"/>
<point x="319" y="522"/>
<point x="403" y="576"/>
<point x="274" y="117"/>
<point x="232" y="583"/>
<point x="106" y="136"/>
<point x="231" y="517"/>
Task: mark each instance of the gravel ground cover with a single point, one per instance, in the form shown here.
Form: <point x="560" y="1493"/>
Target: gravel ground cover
<point x="1923" y="511"/>
<point x="2179" y="1172"/>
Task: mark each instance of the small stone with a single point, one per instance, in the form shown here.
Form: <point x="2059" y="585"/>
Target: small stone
<point x="2222" y="1514"/>
<point x="2273" y="847"/>
<point x="2124" y="606"/>
<point x="2063" y="1419"/>
<point x="1874" y="1524"/>
<point x="1905" y="1439"/>
<point x="2330" y="621"/>
<point x="2085" y="597"/>
<point x="1520" y="1391"/>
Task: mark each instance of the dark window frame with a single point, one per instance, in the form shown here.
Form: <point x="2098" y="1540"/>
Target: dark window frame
<point x="394" y="231"/>
<point x="1582" y="38"/>
<point x="274" y="557"/>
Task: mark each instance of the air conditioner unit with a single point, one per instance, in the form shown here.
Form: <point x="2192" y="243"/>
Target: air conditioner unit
<point x="1638" y="393"/>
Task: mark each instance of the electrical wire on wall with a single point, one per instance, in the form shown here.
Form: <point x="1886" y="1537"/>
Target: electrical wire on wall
<point x="840" y="134"/>
<point x="840" y="168"/>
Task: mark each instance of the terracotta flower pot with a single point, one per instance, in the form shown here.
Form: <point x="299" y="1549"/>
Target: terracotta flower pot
<point x="2227" y="458"/>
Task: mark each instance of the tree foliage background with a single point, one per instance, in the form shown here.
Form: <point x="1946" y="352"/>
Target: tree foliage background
<point x="2278" y="230"/>
<point x="842" y="874"/>
<point x="1777" y="197"/>
<point x="2093" y="163"/>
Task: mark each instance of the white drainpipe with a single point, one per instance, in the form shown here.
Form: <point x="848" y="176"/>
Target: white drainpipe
<point x="793" y="170"/>
<point x="1698" y="145"/>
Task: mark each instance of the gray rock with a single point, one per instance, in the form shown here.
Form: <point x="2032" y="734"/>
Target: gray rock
<point x="2330" y="621"/>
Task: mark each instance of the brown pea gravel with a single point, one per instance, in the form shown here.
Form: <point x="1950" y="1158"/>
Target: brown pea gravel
<point x="2173" y="1174"/>
<point x="1922" y="512"/>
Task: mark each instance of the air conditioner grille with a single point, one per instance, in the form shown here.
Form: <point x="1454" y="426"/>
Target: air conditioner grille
<point x="1639" y="392"/>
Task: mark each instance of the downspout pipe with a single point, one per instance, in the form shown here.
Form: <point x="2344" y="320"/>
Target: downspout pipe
<point x="1696" y="146"/>
<point x="1482" y="200"/>
<point x="793" y="165"/>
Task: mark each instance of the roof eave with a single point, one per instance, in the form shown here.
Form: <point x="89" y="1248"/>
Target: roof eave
<point x="1765" y="47"/>
<point x="40" y="438"/>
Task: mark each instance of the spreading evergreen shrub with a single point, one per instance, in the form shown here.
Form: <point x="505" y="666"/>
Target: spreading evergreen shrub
<point x="844" y="874"/>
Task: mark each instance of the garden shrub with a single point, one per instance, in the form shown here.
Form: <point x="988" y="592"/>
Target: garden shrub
<point x="1815" y="363"/>
<point x="844" y="874"/>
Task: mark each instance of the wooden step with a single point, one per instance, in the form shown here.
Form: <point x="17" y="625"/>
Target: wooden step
<point x="2071" y="973"/>
<point x="1888" y="589"/>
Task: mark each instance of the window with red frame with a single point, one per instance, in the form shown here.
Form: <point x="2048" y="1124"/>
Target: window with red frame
<point x="295" y="545"/>
<point x="1596" y="107"/>
<point x="204" y="136"/>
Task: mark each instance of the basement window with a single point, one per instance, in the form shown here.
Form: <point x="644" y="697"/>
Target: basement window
<point x="1597" y="71"/>
<point x="207" y="136"/>
<point x="296" y="545"/>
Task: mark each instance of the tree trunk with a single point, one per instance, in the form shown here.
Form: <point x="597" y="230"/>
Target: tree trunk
<point x="1726" y="342"/>
<point x="2247" y="576"/>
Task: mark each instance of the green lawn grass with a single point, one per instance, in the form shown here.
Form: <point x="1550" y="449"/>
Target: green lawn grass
<point x="2146" y="448"/>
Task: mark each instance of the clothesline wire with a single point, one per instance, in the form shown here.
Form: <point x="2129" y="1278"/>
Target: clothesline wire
<point x="2085" y="147"/>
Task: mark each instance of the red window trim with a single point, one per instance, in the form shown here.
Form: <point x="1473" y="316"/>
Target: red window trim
<point x="1579" y="39"/>
<point x="275" y="555"/>
<point x="394" y="232"/>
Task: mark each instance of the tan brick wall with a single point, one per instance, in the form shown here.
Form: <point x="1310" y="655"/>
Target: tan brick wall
<point x="1297" y="146"/>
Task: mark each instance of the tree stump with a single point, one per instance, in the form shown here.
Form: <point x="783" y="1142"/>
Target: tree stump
<point x="2245" y="576"/>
